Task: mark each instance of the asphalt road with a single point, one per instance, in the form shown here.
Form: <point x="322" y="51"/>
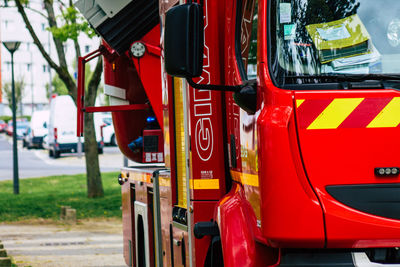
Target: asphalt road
<point x="37" y="163"/>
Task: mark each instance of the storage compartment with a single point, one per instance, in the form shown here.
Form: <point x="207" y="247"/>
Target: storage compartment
<point x="128" y="210"/>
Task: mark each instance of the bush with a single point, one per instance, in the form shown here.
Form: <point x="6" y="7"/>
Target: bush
<point x="9" y="118"/>
<point x="6" y="118"/>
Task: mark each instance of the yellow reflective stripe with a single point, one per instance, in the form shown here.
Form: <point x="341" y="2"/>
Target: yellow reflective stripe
<point x="334" y="114"/>
<point x="245" y="178"/>
<point x="389" y="116"/>
<point x="204" y="183"/>
<point x="140" y="177"/>
<point x="180" y="143"/>
<point x="299" y="102"/>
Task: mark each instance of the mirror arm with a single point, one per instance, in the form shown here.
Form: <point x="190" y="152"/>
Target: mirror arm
<point x="213" y="87"/>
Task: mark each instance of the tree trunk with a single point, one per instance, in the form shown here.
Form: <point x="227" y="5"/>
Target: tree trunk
<point x="94" y="183"/>
<point x="93" y="175"/>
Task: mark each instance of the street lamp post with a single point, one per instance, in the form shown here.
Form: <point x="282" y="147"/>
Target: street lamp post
<point x="12" y="47"/>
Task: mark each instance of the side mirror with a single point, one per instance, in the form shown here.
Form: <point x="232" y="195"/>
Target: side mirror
<point x="183" y="41"/>
<point x="45" y="125"/>
<point x="246" y="98"/>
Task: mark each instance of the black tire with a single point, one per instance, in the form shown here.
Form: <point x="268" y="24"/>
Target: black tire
<point x="57" y="154"/>
<point x="51" y="153"/>
<point x="100" y="151"/>
<point x="23" y="143"/>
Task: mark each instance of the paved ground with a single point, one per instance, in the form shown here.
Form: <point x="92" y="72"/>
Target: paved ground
<point x="42" y="243"/>
<point x="90" y="243"/>
<point x="37" y="163"/>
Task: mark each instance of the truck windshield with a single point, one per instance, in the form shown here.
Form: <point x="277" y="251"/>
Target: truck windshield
<point x="320" y="38"/>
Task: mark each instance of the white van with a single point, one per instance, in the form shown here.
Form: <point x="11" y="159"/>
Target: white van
<point x="37" y="129"/>
<point x="62" y="127"/>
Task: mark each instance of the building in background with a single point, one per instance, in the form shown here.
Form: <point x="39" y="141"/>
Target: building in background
<point x="29" y="63"/>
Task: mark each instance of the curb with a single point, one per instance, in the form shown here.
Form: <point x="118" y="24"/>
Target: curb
<point x="4" y="260"/>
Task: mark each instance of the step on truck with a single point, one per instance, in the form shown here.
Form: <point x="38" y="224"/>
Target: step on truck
<point x="278" y="125"/>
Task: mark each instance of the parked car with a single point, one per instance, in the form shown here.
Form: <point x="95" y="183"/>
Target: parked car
<point x="62" y="125"/>
<point x="108" y="135"/>
<point x="37" y="130"/>
<point x="45" y="143"/>
<point x="25" y="139"/>
<point x="3" y="126"/>
<point x="9" y="128"/>
<point x="22" y="127"/>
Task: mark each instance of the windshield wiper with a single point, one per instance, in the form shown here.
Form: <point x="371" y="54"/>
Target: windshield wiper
<point x="349" y="77"/>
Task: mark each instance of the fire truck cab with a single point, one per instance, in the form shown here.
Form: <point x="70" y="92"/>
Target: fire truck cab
<point x="280" y="122"/>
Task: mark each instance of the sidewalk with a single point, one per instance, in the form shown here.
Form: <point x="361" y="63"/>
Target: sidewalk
<point x="111" y="159"/>
<point x="41" y="243"/>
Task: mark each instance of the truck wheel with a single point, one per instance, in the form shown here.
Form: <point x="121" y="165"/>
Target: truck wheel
<point x="56" y="154"/>
<point x="100" y="151"/>
<point x="51" y="153"/>
<point x="113" y="141"/>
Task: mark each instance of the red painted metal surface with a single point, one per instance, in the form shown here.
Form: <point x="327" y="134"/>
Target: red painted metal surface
<point x="120" y="72"/>
<point x="128" y="126"/>
<point x="116" y="108"/>
<point x="157" y="155"/>
<point x="291" y="214"/>
<point x="281" y="168"/>
<point x="149" y="70"/>
<point x="296" y="220"/>
<point x="340" y="156"/>
<point x="140" y="88"/>
<point x="239" y="232"/>
<point x="354" y="147"/>
<point x="241" y="127"/>
<point x="81" y="108"/>
<point x="201" y="245"/>
<point x="206" y="112"/>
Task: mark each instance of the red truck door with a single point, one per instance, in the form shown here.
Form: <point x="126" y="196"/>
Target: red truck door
<point x="349" y="144"/>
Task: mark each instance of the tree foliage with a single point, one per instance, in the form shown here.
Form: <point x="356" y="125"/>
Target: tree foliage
<point x="67" y="27"/>
<point x="59" y="88"/>
<point x="73" y="25"/>
<point x="19" y="92"/>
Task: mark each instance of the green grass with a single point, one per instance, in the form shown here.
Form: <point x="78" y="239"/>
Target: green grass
<point x="43" y="197"/>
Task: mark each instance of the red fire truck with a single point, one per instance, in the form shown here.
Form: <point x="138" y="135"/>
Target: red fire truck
<point x="278" y="121"/>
